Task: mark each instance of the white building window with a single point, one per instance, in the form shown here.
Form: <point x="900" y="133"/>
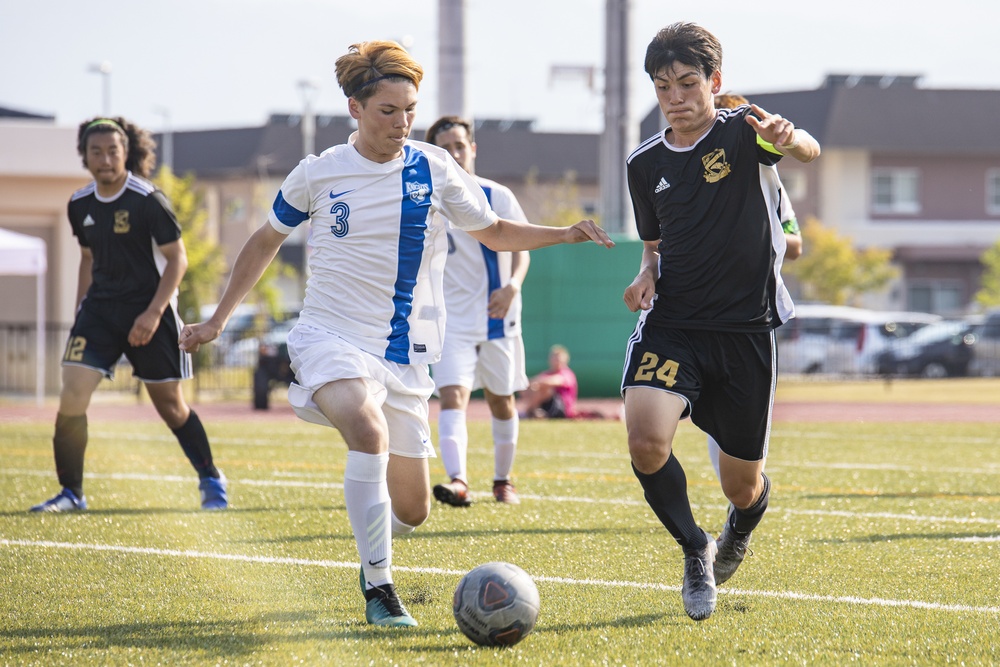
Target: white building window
<point x="993" y="191"/>
<point x="895" y="190"/>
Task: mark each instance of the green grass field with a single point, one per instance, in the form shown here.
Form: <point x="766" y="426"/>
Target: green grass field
<point x="881" y="546"/>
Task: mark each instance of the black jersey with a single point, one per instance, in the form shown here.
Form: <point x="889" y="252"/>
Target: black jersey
<point x="124" y="234"/>
<point x="716" y="221"/>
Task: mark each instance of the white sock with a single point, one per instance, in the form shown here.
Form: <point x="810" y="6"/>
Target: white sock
<point x="366" y="496"/>
<point x="713" y="454"/>
<point x="504" y="446"/>
<point x="453" y="440"/>
<point x="400" y="528"/>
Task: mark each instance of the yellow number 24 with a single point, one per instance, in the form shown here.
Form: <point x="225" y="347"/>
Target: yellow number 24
<point x="665" y="372"/>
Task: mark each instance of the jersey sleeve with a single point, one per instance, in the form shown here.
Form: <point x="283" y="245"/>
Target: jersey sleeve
<point x="646" y="223"/>
<point x="76" y="224"/>
<point x="162" y="220"/>
<point x="786" y="214"/>
<point x="463" y="201"/>
<point x="506" y="205"/>
<point x="291" y="205"/>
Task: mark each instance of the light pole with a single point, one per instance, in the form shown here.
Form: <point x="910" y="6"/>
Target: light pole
<point x="104" y="69"/>
<point x="168" y="138"/>
<point x="308" y="88"/>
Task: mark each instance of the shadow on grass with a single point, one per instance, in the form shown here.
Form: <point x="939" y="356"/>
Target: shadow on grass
<point x="226" y="638"/>
<point x="624" y="621"/>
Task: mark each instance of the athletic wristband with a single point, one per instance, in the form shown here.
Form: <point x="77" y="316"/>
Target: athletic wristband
<point x="788" y="147"/>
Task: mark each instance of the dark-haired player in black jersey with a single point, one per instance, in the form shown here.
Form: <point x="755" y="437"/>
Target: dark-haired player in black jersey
<point x="710" y="294"/>
<point x="132" y="260"/>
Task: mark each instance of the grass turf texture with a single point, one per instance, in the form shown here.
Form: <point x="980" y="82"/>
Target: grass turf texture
<point x="877" y="549"/>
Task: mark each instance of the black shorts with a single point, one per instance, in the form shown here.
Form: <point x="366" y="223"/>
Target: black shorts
<point x="726" y="379"/>
<point x="554" y="408"/>
<point x="100" y="337"/>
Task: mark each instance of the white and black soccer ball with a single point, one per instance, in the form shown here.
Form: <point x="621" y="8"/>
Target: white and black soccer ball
<point x="496" y="604"/>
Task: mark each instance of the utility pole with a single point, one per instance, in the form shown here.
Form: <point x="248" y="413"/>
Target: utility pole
<point x="168" y="139"/>
<point x="616" y="211"/>
<point x="452" y="99"/>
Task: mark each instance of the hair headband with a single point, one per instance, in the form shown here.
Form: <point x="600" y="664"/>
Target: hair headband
<point x="371" y="81"/>
<point x="104" y="121"/>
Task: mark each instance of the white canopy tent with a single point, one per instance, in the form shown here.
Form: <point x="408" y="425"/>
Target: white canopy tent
<point x="23" y="255"/>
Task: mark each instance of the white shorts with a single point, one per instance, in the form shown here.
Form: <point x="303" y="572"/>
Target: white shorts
<point x="318" y="358"/>
<point x="496" y="365"/>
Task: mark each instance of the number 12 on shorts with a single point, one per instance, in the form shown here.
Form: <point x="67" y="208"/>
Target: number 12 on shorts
<point x="650" y="366"/>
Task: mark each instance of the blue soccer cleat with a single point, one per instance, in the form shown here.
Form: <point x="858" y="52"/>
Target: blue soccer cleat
<point x="383" y="607"/>
<point x="66" y="501"/>
<point x="213" y="493"/>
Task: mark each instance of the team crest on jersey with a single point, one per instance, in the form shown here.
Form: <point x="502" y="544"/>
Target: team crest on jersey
<point x="417" y="191"/>
<point x="716" y="167"/>
<point x="121" y="222"/>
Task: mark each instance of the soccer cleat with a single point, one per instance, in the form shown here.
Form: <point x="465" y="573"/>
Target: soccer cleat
<point x="732" y="549"/>
<point x="456" y="493"/>
<point x="213" y="493"/>
<point x="699" y="591"/>
<point x="504" y="492"/>
<point x="66" y="501"/>
<point x="383" y="607"/>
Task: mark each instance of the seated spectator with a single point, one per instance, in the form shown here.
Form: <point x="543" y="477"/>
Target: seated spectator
<point x="552" y="393"/>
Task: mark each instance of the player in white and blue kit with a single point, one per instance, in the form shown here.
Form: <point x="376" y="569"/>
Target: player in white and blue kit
<point x="373" y="314"/>
<point x="482" y="342"/>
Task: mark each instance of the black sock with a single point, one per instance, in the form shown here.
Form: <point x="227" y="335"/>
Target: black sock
<point x="69" y="444"/>
<point x="194" y="442"/>
<point x="744" y="521"/>
<point x="666" y="493"/>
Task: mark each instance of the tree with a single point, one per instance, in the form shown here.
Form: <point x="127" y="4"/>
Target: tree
<point x="560" y="204"/>
<point x="206" y="264"/>
<point x="206" y="260"/>
<point x="833" y="271"/>
<point x="989" y="294"/>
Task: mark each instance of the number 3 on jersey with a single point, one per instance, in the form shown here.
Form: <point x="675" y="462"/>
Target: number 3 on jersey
<point x="340" y="211"/>
<point x="665" y="372"/>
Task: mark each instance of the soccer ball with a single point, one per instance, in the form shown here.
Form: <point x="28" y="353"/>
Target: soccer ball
<point x="496" y="604"/>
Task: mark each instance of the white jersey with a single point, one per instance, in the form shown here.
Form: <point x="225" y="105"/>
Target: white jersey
<point x="473" y="271"/>
<point x="377" y="249"/>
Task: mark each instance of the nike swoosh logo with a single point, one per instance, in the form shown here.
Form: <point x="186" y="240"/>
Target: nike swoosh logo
<point x="340" y="194"/>
<point x="375" y="564"/>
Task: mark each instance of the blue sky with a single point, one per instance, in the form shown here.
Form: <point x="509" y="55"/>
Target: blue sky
<point x="230" y="63"/>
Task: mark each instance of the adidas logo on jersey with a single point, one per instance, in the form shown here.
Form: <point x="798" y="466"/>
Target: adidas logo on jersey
<point x="661" y="186"/>
<point x="88" y="221"/>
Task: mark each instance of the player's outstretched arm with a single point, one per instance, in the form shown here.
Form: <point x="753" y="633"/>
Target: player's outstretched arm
<point x="254" y="257"/>
<point x="514" y="235"/>
<point x="783" y="135"/>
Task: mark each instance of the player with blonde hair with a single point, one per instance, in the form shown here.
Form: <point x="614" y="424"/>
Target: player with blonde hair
<point x="373" y="317"/>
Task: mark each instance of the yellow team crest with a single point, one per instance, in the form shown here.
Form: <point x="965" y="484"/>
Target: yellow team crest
<point x="121" y="222"/>
<point x="716" y="167"/>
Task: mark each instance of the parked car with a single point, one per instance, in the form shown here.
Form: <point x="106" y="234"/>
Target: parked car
<point x="824" y="338"/>
<point x="941" y="349"/>
<point x="986" y="352"/>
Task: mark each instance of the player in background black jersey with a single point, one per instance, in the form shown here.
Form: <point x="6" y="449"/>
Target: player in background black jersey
<point x="132" y="260"/>
<point x="710" y="294"/>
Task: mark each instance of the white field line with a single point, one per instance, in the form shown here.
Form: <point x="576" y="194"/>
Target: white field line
<point x="985" y="468"/>
<point x="271" y="560"/>
<point x="630" y="502"/>
<point x="991" y="538"/>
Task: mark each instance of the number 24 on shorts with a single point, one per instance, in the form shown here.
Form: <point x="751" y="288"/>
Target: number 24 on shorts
<point x="665" y="372"/>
